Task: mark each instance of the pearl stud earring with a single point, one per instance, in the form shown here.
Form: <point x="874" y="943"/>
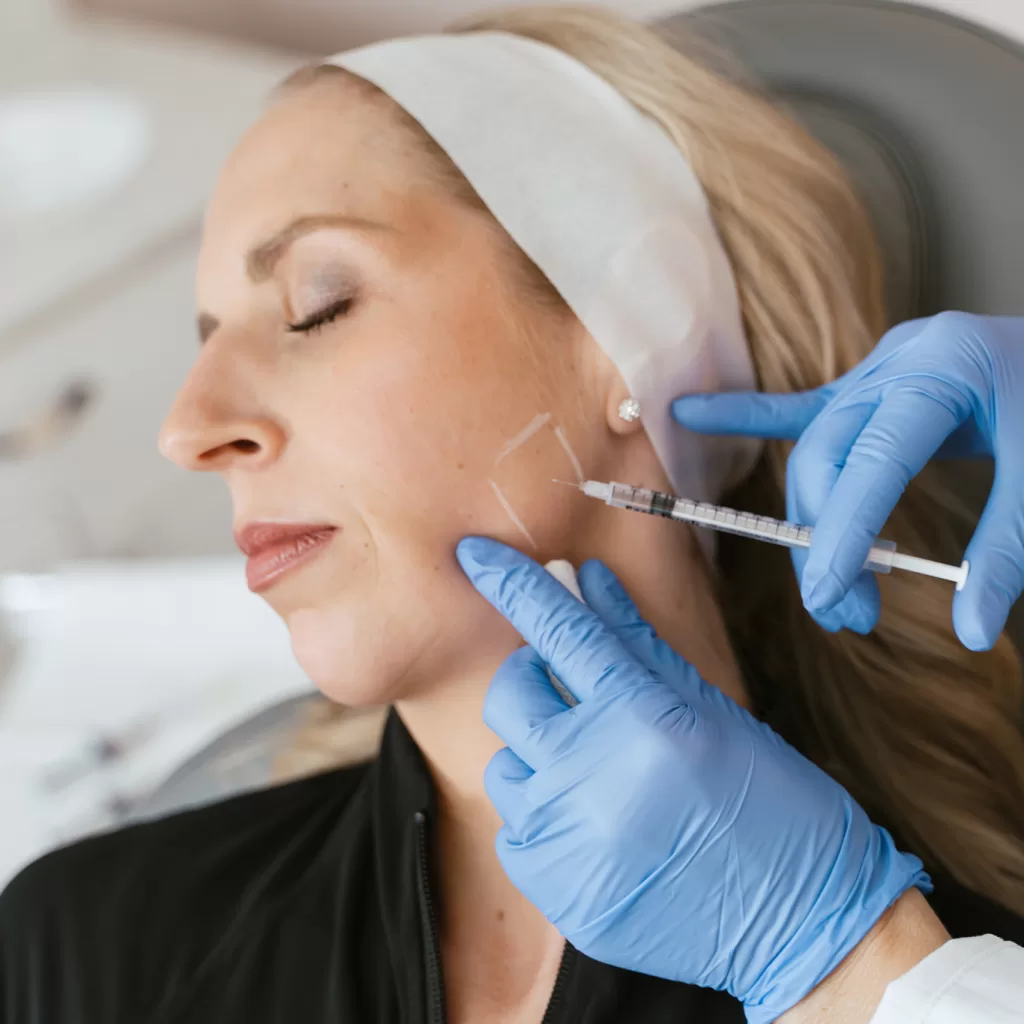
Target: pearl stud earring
<point x="629" y="410"/>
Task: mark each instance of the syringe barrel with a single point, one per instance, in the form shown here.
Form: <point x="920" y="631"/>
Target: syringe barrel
<point x="775" y="531"/>
<point x="880" y="556"/>
<point x="883" y="556"/>
<point x="702" y="513"/>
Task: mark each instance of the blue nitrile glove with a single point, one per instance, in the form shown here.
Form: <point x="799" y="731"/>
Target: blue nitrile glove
<point x="658" y="825"/>
<point x="952" y="384"/>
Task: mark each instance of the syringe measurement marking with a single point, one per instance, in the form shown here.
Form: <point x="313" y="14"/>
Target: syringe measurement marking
<point x="725" y="519"/>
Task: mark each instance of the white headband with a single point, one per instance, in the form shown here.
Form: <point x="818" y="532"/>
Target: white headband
<point x="598" y="196"/>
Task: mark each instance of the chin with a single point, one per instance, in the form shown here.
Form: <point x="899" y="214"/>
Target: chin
<point x="362" y="658"/>
<point x="344" y="656"/>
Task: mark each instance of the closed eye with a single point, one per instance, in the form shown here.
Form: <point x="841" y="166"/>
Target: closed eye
<point x="327" y="315"/>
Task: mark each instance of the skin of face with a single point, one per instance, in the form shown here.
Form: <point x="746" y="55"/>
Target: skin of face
<point x="387" y="421"/>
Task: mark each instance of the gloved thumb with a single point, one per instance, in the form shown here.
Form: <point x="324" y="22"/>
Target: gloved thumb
<point x="996" y="557"/>
<point x="751" y="413"/>
<point x="504" y="782"/>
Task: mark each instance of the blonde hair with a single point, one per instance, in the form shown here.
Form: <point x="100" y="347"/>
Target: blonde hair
<point x="924" y="734"/>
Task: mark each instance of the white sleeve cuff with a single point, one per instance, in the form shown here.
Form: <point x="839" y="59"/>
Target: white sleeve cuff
<point x="979" y="979"/>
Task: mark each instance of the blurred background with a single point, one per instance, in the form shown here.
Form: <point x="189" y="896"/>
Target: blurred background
<point x="128" y="640"/>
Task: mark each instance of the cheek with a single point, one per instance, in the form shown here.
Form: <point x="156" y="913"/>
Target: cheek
<point x="413" y="426"/>
<point x="409" y="443"/>
<point x="423" y="419"/>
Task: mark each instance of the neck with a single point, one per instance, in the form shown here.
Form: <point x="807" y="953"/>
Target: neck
<point x="661" y="565"/>
<point x="492" y="938"/>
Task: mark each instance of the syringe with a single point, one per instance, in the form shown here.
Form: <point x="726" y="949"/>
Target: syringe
<point x="882" y="557"/>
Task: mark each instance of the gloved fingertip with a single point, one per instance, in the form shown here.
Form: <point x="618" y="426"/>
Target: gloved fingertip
<point x="972" y="629"/>
<point x="858" y="611"/>
<point x="862" y="605"/>
<point x="686" y="406"/>
<point x="822" y="594"/>
<point x="862" y="621"/>
<point x="830" y="621"/>
<point x="978" y="644"/>
<point x="596" y="579"/>
<point x="505" y="768"/>
<point x="973" y="638"/>
<point x="479" y="554"/>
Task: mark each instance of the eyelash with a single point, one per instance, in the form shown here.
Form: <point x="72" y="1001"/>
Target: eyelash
<point x="320" y="319"/>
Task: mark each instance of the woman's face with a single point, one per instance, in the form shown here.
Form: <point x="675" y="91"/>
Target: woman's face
<point x="367" y="358"/>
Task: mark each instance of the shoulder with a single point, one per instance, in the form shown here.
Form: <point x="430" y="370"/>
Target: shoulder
<point x="178" y="852"/>
<point x="129" y="909"/>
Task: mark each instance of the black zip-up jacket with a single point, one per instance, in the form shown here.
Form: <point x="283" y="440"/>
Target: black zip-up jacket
<point x="310" y="903"/>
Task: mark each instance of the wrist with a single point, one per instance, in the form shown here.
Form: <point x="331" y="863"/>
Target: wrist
<point x="835" y="907"/>
<point x="902" y="937"/>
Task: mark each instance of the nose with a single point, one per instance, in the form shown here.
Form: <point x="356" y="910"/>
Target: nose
<point x="213" y="428"/>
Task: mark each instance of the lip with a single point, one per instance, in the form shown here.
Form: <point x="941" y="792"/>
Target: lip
<point x="275" y="549"/>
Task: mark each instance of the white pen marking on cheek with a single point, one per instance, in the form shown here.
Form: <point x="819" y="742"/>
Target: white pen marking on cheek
<point x="524" y="435"/>
<point x="510" y="512"/>
<point x="567" y="448"/>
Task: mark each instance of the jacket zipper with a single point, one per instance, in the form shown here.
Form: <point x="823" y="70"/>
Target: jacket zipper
<point x="558" y="992"/>
<point x="435" y="980"/>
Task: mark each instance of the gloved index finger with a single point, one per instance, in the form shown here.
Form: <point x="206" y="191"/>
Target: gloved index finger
<point x="751" y="413"/>
<point x="585" y="655"/>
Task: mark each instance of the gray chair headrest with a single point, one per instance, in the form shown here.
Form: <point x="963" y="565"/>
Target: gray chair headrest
<point x="924" y="110"/>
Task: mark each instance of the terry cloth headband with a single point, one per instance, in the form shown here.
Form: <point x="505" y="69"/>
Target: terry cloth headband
<point x="603" y="202"/>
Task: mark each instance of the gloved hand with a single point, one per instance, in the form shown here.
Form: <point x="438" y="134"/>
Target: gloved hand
<point x="658" y="825"/>
<point x="952" y="384"/>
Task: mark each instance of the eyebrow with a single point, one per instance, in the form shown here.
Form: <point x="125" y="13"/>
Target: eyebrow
<point x="263" y="258"/>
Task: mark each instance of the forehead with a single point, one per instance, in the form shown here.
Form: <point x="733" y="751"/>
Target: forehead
<point x="326" y="146"/>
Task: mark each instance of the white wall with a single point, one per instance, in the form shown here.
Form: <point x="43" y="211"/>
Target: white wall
<point x="106" y="491"/>
<point x="107" y="292"/>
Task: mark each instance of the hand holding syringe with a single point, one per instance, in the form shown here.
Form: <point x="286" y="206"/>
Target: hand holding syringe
<point x="882" y="557"/>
